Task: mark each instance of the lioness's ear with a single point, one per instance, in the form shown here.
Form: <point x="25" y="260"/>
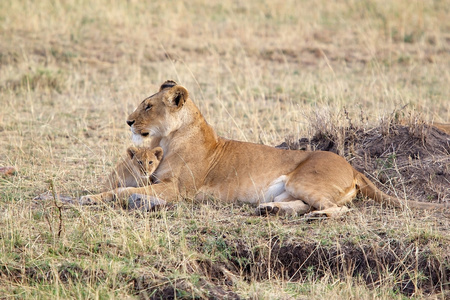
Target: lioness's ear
<point x="131" y="151"/>
<point x="158" y="151"/>
<point x="167" y="84"/>
<point x="176" y="96"/>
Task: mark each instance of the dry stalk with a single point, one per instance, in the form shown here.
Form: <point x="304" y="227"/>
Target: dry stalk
<point x="58" y="207"/>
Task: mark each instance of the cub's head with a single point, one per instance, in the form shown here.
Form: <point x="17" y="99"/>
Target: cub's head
<point x="159" y="114"/>
<point x="145" y="160"/>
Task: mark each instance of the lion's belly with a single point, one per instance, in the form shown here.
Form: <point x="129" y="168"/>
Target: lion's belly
<point x="250" y="191"/>
<point x="264" y="193"/>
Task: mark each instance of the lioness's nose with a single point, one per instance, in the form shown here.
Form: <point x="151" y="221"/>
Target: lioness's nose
<point x="130" y="122"/>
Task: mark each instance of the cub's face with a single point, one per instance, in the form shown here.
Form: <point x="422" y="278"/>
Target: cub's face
<point x="158" y="115"/>
<point x="145" y="160"/>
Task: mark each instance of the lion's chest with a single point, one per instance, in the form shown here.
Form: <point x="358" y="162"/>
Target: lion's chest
<point x="182" y="170"/>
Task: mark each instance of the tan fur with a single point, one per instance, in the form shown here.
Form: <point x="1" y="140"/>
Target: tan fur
<point x="136" y="169"/>
<point x="198" y="163"/>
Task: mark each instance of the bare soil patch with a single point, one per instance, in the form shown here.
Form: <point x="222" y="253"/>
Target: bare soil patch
<point x="300" y="261"/>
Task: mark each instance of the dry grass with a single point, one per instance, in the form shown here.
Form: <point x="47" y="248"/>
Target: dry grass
<point x="70" y="73"/>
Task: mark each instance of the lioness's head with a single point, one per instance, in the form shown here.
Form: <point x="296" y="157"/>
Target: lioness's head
<point x="145" y="160"/>
<point x="159" y="114"/>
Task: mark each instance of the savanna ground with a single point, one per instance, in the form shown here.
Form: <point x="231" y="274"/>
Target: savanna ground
<point x="356" y="77"/>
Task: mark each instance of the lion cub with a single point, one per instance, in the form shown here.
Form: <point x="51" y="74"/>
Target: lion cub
<point x="136" y="169"/>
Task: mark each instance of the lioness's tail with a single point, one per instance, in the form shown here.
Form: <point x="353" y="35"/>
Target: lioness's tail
<point x="368" y="189"/>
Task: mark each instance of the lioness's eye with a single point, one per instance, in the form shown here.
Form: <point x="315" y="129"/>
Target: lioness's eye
<point x="150" y="162"/>
<point x="149" y="106"/>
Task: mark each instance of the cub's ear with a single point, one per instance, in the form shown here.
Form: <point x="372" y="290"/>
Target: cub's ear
<point x="131" y="151"/>
<point x="176" y="97"/>
<point x="158" y="151"/>
<point x="167" y="85"/>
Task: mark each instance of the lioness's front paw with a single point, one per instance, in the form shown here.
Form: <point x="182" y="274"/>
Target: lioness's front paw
<point x="267" y="209"/>
<point x="144" y="202"/>
<point x="89" y="200"/>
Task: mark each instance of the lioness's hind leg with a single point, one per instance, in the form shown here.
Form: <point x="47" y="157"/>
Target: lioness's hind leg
<point x="291" y="208"/>
<point x="319" y="199"/>
<point x="332" y="212"/>
<point x="324" y="190"/>
<point x="325" y="181"/>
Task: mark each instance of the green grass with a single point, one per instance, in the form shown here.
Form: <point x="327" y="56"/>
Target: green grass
<point x="71" y="72"/>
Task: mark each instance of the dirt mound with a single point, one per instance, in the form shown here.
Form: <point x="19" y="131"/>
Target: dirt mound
<point x="406" y="161"/>
<point x="309" y="260"/>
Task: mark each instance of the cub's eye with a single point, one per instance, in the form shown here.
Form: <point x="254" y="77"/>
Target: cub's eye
<point x="148" y="107"/>
<point x="139" y="162"/>
<point x="150" y="162"/>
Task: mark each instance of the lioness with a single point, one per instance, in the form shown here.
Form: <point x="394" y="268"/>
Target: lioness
<point x="136" y="169"/>
<point x="198" y="163"/>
